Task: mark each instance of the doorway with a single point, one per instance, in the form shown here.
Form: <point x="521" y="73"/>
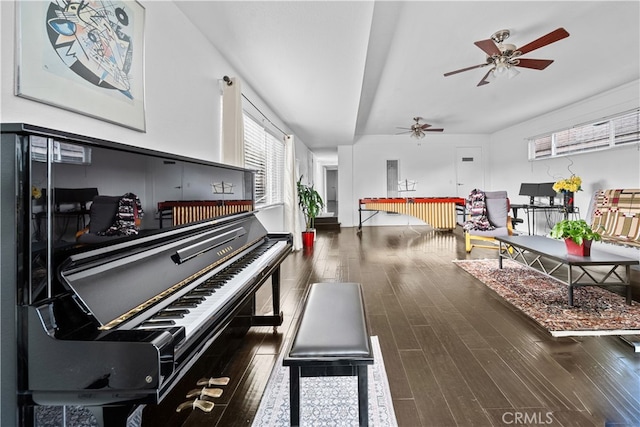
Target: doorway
<point x="331" y="188"/>
<point x="393" y="176"/>
<point x="469" y="173"/>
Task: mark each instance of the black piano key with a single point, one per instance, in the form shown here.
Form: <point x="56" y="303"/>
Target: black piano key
<point x="175" y="309"/>
<point x="211" y="286"/>
<point x="201" y="291"/>
<point x="192" y="298"/>
<point x="183" y="304"/>
<point x="214" y="283"/>
<point x="158" y="323"/>
<point x="171" y="314"/>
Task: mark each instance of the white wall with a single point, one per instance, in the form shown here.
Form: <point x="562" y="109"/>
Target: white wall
<point x="347" y="216"/>
<point x="616" y="168"/>
<point x="272" y="218"/>
<point x="430" y="161"/>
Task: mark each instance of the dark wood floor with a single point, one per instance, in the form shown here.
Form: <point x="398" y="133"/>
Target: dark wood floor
<point x="455" y="353"/>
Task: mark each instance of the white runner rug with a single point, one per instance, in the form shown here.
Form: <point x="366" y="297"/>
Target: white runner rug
<point x="327" y="401"/>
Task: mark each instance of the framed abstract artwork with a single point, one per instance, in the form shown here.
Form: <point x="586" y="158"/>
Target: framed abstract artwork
<point x="87" y="57"/>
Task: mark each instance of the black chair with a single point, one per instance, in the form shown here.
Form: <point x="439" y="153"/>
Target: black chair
<point x="72" y="202"/>
<point x="112" y="217"/>
<point x="103" y="212"/>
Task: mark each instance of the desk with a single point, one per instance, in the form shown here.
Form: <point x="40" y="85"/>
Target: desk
<point x="555" y="251"/>
<point x="531" y="213"/>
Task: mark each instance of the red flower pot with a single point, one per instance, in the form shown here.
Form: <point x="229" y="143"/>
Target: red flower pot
<point x="307" y="239"/>
<point x="580" y="250"/>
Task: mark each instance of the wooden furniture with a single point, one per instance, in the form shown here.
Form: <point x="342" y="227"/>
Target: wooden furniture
<point x="331" y="339"/>
<point x="553" y="250"/>
<point x="438" y="212"/>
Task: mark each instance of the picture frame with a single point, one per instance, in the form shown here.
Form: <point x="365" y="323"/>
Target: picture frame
<point x="86" y="57"/>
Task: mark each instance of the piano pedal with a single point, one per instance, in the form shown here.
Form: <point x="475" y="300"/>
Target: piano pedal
<point x="203" y="405"/>
<point x="205" y="392"/>
<point x="208" y="382"/>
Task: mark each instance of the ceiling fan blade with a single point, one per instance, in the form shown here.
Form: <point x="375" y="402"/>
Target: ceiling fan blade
<point x="425" y="126"/>
<point x="536" y="64"/>
<point x="489" y="47"/>
<point x="434" y="130"/>
<point x="484" y="80"/>
<point x="552" y="37"/>
<point x="464" y="69"/>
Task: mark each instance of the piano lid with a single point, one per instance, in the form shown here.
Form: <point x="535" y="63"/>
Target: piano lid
<point x="116" y="285"/>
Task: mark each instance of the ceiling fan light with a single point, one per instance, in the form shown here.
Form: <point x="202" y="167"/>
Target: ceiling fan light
<point x="418" y="134"/>
<point x="501" y="69"/>
<point x="512" y="72"/>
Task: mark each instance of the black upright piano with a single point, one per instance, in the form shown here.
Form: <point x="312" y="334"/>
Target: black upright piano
<point x="118" y="323"/>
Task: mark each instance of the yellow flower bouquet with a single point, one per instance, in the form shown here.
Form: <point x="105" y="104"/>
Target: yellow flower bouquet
<point x="572" y="184"/>
<point x="36" y="193"/>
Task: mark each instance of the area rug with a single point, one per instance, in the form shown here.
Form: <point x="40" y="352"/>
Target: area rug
<point x="595" y="311"/>
<point x="327" y="401"/>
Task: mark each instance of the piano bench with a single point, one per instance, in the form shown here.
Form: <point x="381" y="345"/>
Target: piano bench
<point x="330" y="339"/>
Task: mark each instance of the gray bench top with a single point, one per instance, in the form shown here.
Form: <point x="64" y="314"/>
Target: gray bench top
<point x="333" y="324"/>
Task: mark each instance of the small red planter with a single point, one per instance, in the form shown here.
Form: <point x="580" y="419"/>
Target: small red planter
<point x="307" y="239"/>
<point x="580" y="250"/>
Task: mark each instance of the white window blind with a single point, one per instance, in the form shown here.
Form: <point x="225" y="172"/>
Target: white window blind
<point x="626" y="128"/>
<point x="542" y="146"/>
<point x="264" y="153"/>
<point x="613" y="131"/>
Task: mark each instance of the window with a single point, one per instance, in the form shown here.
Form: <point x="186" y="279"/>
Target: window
<point x="63" y="152"/>
<point x="607" y="133"/>
<point x="264" y="153"/>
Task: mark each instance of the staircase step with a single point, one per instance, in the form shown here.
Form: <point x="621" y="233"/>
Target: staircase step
<point x="328" y="226"/>
<point x="326" y="220"/>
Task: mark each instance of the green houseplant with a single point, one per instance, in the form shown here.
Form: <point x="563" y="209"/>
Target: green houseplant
<point x="575" y="232"/>
<point x="311" y="204"/>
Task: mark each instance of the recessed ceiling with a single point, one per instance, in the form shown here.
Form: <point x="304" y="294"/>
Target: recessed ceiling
<point x="334" y="71"/>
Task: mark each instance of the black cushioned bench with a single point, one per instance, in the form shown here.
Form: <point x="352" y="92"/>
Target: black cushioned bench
<point x="331" y="338"/>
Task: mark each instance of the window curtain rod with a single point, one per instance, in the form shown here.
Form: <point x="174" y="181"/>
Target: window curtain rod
<point x="229" y="83"/>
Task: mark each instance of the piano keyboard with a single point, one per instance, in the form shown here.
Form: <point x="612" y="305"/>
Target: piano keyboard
<point x="193" y="309"/>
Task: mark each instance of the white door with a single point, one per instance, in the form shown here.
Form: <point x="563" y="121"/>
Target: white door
<point x="167" y="183"/>
<point x="469" y="172"/>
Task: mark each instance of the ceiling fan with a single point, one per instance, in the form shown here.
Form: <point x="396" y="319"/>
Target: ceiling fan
<point x="418" y="130"/>
<point x="503" y="57"/>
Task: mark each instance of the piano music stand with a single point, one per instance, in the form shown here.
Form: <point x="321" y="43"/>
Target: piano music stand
<point x="406" y="186"/>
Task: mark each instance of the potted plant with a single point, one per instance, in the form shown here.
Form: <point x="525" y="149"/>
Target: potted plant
<point x="577" y="235"/>
<point x="311" y="204"/>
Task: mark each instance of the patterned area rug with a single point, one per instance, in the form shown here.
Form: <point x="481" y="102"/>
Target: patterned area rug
<point x="327" y="401"/>
<point x="596" y="311"/>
